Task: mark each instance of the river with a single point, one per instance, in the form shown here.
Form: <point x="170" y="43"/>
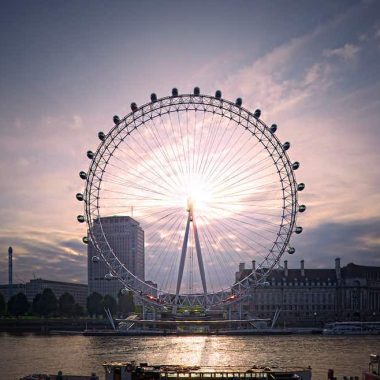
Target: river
<point x="29" y="353"/>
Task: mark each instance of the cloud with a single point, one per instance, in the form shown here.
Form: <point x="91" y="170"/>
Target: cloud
<point x="346" y="52"/>
<point x="377" y="33"/>
<point x="53" y="255"/>
<point x="356" y="241"/>
<point x="338" y="159"/>
<point x="280" y="81"/>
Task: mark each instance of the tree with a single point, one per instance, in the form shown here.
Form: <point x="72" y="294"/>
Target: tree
<point x="48" y="303"/>
<point x="18" y="304"/>
<point x="78" y="310"/>
<point x="94" y="304"/>
<point x="66" y="304"/>
<point x="2" y="304"/>
<point x="109" y="303"/>
<point x="126" y="304"/>
<point x="36" y="306"/>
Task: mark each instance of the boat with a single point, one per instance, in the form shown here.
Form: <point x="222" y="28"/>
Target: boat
<point x="59" y="377"/>
<point x="351" y="328"/>
<point x="373" y="372"/>
<point x="143" y="371"/>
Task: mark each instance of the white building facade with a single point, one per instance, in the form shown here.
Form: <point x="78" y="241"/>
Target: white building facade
<point x="312" y="297"/>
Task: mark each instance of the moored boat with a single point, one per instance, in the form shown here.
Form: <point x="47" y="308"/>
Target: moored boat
<point x="143" y="371"/>
<point x="352" y="328"/>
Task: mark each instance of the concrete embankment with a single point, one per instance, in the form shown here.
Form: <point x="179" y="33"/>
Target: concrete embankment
<point x="46" y="325"/>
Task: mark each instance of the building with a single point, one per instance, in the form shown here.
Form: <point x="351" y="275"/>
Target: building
<point x="315" y="296"/>
<point x="126" y="238"/>
<point x="78" y="291"/>
<point x="36" y="286"/>
<point x="16" y="288"/>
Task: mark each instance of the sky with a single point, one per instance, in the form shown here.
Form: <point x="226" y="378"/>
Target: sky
<point x="66" y="67"/>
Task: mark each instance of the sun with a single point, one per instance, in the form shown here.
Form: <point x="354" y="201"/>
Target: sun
<point x="198" y="192"/>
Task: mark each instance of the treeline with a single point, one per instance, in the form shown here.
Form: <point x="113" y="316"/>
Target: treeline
<point x="46" y="304"/>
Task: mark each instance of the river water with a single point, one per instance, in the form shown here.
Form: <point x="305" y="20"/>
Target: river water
<point x="29" y="353"/>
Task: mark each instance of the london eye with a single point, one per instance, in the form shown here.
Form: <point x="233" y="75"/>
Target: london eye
<point x="211" y="185"/>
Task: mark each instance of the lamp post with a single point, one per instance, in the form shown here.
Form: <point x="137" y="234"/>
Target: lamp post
<point x="315" y="319"/>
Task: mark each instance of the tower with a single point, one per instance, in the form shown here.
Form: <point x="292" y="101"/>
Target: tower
<point x="10" y="272"/>
<point x="126" y="237"/>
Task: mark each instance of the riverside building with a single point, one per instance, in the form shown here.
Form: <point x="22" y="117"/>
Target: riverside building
<point x="37" y="286"/>
<point x="16" y="288"/>
<point x="78" y="291"/>
<point x="126" y="238"/>
<point x="312" y="297"/>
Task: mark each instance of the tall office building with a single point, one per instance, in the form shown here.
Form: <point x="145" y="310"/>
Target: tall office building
<point x="126" y="238"/>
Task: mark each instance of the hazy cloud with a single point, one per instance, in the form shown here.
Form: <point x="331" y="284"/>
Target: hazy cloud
<point x="48" y="254"/>
<point x="346" y="52"/>
<point x="356" y="241"/>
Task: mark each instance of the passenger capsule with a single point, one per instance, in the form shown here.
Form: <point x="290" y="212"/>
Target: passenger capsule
<point x="101" y="136"/>
<point x="298" y="230"/>
<point x="273" y="128"/>
<point x="302" y="208"/>
<point x="79" y="196"/>
<point x="85" y="239"/>
<point x="108" y="276"/>
<point x="239" y="102"/>
<point x="116" y="119"/>
<point x="257" y="114"/>
<point x="300" y="186"/>
<point x="218" y="94"/>
<point x="134" y="107"/>
<point x="81" y="218"/>
<point x="295" y="165"/>
<point x="153" y="97"/>
<point x="197" y="91"/>
<point x="291" y="250"/>
<point x="95" y="259"/>
<point x="286" y="145"/>
<point x="174" y="92"/>
<point x="83" y="175"/>
<point x="90" y="154"/>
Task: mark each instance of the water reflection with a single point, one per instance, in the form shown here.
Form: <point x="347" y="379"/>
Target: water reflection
<point x="82" y="355"/>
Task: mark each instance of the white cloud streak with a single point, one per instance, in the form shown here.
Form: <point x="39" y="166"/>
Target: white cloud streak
<point x="346" y="52"/>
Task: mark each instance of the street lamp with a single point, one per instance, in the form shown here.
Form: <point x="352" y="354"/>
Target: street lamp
<point x="315" y="318"/>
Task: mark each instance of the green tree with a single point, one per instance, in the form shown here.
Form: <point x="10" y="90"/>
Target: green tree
<point x="2" y="304"/>
<point x="48" y="303"/>
<point x="18" y="304"/>
<point x="109" y="303"/>
<point x="36" y="306"/>
<point x="94" y="304"/>
<point x="66" y="304"/>
<point x="126" y="303"/>
<point x="78" y="310"/>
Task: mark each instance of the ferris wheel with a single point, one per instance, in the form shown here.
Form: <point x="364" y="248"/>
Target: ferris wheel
<point x="211" y="186"/>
